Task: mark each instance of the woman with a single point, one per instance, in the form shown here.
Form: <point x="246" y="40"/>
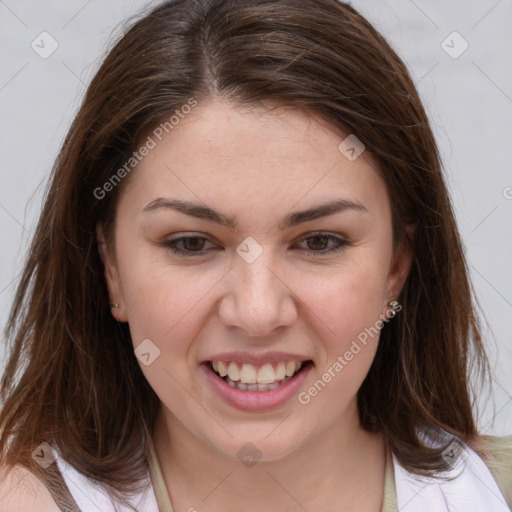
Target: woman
<point x="247" y="284"/>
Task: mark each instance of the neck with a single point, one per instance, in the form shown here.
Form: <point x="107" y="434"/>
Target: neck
<point x="343" y="465"/>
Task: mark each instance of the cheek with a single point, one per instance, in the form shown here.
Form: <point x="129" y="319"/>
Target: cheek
<point x="346" y="311"/>
<point x="163" y="301"/>
<point x="167" y="306"/>
<point x="348" y="300"/>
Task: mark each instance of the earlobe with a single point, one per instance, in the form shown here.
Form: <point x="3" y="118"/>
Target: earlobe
<point x="111" y="277"/>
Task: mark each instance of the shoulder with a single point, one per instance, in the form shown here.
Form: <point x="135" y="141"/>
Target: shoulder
<point x="21" y="490"/>
<point x="470" y="479"/>
<point x="500" y="463"/>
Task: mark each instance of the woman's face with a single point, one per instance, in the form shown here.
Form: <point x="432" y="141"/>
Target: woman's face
<point x="259" y="288"/>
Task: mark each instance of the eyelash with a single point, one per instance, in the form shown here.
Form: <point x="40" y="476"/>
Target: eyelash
<point x="340" y="244"/>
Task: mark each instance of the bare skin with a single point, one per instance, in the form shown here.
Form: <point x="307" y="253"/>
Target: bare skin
<point x="295" y="298"/>
<point x="21" y="490"/>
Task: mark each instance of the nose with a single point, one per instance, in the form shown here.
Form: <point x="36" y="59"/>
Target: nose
<point x="258" y="300"/>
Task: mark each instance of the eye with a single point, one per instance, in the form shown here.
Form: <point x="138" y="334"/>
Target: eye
<point x="318" y="243"/>
<point x="192" y="245"/>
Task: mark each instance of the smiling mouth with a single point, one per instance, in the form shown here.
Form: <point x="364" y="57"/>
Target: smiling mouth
<point x="247" y="377"/>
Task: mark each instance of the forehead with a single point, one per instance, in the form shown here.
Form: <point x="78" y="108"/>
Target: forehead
<point x="255" y="157"/>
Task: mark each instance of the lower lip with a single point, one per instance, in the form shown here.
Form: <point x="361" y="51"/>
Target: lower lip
<point x="255" y="400"/>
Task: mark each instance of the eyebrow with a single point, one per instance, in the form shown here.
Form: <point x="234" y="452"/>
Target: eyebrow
<point x="291" y="219"/>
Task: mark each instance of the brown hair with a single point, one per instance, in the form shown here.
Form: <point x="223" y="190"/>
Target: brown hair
<point x="72" y="376"/>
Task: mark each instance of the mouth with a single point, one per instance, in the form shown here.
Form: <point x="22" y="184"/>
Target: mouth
<point x="249" y="377"/>
<point x="256" y="387"/>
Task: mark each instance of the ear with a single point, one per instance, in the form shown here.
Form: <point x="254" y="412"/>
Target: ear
<point x="117" y="304"/>
<point x="400" y="266"/>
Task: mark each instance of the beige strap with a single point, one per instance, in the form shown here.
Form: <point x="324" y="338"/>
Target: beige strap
<point x="55" y="483"/>
<point x="389" y="502"/>
<point x="157" y="479"/>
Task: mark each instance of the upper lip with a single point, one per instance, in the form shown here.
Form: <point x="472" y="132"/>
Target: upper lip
<point x="252" y="358"/>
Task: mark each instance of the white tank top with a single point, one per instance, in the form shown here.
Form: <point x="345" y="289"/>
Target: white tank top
<point x="91" y="497"/>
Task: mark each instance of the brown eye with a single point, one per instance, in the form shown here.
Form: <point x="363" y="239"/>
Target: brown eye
<point x="187" y="245"/>
<point x="194" y="243"/>
<point x="318" y="242"/>
<point x="321" y="244"/>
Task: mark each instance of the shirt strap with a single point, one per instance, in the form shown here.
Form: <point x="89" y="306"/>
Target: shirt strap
<point x="157" y="479"/>
<point x="389" y="502"/>
<point x="57" y="486"/>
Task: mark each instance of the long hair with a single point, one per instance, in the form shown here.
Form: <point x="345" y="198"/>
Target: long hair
<point x="72" y="378"/>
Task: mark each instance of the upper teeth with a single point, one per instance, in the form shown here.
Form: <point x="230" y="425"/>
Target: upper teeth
<point x="250" y="374"/>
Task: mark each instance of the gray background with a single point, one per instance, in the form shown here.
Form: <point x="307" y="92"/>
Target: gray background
<point x="468" y="98"/>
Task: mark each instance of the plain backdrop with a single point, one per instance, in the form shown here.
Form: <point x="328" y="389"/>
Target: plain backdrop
<point x="459" y="54"/>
